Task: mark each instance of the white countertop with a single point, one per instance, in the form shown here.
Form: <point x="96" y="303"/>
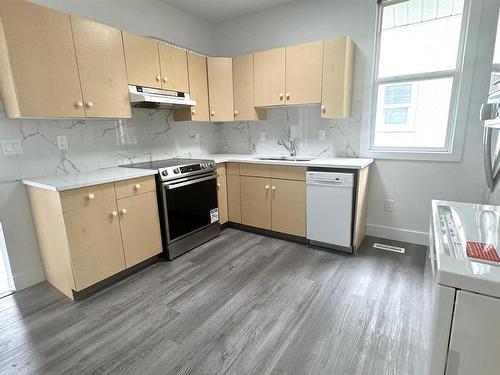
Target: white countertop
<point x="346" y="163"/>
<point x="78" y="180"/>
<point x="105" y="175"/>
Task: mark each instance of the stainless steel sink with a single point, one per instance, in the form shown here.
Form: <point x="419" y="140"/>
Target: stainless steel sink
<point x="286" y="158"/>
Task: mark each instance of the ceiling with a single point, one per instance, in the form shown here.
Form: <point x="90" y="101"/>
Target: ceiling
<point x="217" y="11"/>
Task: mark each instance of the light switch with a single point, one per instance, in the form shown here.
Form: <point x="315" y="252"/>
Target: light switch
<point x="389" y="205"/>
<point x="12" y="147"/>
<point x="62" y="142"/>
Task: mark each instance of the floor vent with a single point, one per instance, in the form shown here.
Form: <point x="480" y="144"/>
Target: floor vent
<point x="394" y="249"/>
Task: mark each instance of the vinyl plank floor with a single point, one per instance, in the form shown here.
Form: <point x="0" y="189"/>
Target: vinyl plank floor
<point x="239" y="304"/>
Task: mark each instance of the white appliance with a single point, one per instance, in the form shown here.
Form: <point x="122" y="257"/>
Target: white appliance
<point x="466" y="297"/>
<point x="330" y="209"/>
<point x="490" y="114"/>
<point x="147" y="97"/>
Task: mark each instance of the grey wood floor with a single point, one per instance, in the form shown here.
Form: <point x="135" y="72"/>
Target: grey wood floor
<point x="240" y="304"/>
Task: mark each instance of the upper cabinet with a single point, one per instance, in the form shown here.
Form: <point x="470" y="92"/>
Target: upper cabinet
<point x="174" y="68"/>
<point x="338" y="63"/>
<point x="269" y="77"/>
<point x="303" y="66"/>
<point x="38" y="69"/>
<point x="104" y="79"/>
<point x="243" y="90"/>
<point x="198" y="89"/>
<point x="143" y="63"/>
<point x="49" y="69"/>
<point x="220" y="88"/>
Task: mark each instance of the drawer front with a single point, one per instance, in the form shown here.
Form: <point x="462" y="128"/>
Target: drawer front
<point x="288" y="172"/>
<point x="221" y="169"/>
<point x="135" y="186"/>
<point x="233" y="168"/>
<point x="90" y="196"/>
<point x="257" y="170"/>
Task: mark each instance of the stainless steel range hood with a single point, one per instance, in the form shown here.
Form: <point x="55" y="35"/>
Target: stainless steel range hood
<point x="147" y="97"/>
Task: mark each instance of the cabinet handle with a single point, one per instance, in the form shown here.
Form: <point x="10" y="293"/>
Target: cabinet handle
<point x="267" y="187"/>
<point x="114" y="213"/>
<point x="193" y="112"/>
<point x="281" y="96"/>
<point x="79" y="104"/>
<point x="123" y="211"/>
<point x="212" y="113"/>
<point x="273" y="188"/>
<point x="287" y="96"/>
<point x="323" y="109"/>
<point x="91" y="196"/>
<point x="89" y="104"/>
<point x="158" y="78"/>
<point x="235" y="112"/>
<point x="218" y="184"/>
<point x="137" y="186"/>
<point x="165" y="79"/>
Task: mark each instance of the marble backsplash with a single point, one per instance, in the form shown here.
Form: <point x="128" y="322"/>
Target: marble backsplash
<point x="152" y="134"/>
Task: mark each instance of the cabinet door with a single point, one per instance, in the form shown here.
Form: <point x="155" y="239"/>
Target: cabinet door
<point x="174" y="69"/>
<point x="269" y="77"/>
<point x="198" y="89"/>
<point x="222" y="199"/>
<point x="41" y="55"/>
<point x="304" y="64"/>
<point x="140" y="227"/>
<point x="220" y="87"/>
<point x="94" y="240"/>
<point x="288" y="206"/>
<point x="338" y="63"/>
<point x="473" y="347"/>
<point x="103" y="76"/>
<point x="233" y="197"/>
<point x="244" y="107"/>
<point x="256" y="201"/>
<point x="142" y="60"/>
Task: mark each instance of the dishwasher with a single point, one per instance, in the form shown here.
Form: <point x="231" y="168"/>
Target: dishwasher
<point x="330" y="209"/>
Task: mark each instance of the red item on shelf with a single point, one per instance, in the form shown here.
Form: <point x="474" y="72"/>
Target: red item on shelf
<point x="482" y="251"/>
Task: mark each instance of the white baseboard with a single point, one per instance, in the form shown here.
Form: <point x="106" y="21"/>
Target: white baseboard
<point x="398" y="234"/>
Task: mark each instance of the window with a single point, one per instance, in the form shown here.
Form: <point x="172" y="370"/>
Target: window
<point x="417" y="73"/>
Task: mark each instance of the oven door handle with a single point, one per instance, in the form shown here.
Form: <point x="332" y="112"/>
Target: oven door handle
<point x="190" y="182"/>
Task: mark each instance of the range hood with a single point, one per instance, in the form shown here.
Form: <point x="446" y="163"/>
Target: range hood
<point x="147" y="97"/>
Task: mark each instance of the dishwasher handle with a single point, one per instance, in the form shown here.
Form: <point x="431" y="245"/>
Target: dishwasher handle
<point x="326" y="182"/>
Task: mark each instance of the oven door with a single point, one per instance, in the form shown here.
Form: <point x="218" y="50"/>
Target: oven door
<point x="190" y="205"/>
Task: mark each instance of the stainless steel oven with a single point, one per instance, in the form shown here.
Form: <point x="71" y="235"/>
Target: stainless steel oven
<point x="187" y="200"/>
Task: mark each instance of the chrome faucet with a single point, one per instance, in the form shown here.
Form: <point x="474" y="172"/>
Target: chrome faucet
<point x="291" y="148"/>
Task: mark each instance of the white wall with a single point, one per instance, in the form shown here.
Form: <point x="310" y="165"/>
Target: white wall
<point x="411" y="184"/>
<point x="146" y="17"/>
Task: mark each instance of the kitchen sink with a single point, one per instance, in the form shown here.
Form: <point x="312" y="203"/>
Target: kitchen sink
<point x="286" y="158"/>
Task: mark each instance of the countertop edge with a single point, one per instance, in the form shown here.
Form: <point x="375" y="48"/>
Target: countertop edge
<point x="311" y="163"/>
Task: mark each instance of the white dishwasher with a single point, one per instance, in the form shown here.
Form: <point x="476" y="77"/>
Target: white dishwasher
<point x="329" y="209"/>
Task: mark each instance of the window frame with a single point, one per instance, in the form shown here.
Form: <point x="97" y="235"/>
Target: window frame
<point x="458" y="111"/>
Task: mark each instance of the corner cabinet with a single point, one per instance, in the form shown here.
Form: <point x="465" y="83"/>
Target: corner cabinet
<point x="220" y="88"/>
<point x="51" y="65"/>
<point x="89" y="234"/>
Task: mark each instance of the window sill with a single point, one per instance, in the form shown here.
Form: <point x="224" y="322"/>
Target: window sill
<point x="424" y="155"/>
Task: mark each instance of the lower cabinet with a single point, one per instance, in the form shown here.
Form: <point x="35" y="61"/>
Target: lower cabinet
<point x="288" y="206"/>
<point x="87" y="235"/>
<point x="222" y="198"/>
<point x="256" y="201"/>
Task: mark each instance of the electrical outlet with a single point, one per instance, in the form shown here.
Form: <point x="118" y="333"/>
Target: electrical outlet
<point x="388" y="205"/>
<point x="12" y="147"/>
<point x="322" y="134"/>
<point x="197" y="138"/>
<point x="262" y="136"/>
<point x="62" y="142"/>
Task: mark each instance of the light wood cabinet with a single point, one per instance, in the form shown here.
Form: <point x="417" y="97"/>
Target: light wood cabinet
<point x="288" y="206"/>
<point x="142" y="60"/>
<point x="269" y="77"/>
<point x="338" y="65"/>
<point x="243" y="87"/>
<point x="174" y="68"/>
<point x="140" y="227"/>
<point x="256" y="201"/>
<point x="220" y="88"/>
<point x="198" y="89"/>
<point x="103" y="76"/>
<point x="87" y="234"/>
<point x="233" y="192"/>
<point x="95" y="245"/>
<point x="222" y="198"/>
<point x="38" y="68"/>
<point x="304" y="63"/>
